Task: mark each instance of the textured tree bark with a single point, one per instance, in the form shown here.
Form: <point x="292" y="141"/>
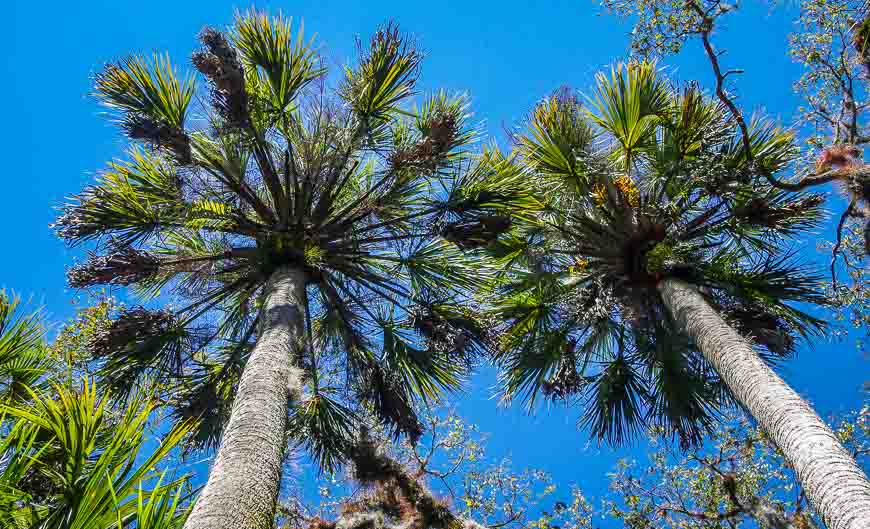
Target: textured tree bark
<point x="242" y="487"/>
<point x="834" y="484"/>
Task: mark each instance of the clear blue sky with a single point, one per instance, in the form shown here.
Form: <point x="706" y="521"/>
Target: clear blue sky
<point x="506" y="54"/>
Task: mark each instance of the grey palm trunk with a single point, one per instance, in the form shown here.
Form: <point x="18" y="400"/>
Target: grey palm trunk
<point x="243" y="484"/>
<point x="833" y="482"/>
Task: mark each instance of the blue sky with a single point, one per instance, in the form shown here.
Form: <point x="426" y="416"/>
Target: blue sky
<point x="505" y="54"/>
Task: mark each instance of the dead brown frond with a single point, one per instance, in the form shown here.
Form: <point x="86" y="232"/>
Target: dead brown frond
<point x="391" y="404"/>
<point x="319" y="523"/>
<point x="763" y="328"/>
<point x="426" y="155"/>
<point x="415" y="505"/>
<point x="220" y="63"/>
<point x="761" y="212"/>
<point x="131" y="325"/>
<point x="172" y="139"/>
<point x="841" y="156"/>
<point x="123" y="266"/>
<point x="566" y="382"/>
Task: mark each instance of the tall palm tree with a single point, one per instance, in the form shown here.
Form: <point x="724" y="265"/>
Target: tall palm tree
<point x="655" y="287"/>
<point x="299" y="231"/>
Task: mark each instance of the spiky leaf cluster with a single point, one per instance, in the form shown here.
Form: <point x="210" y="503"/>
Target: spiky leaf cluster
<point x="648" y="182"/>
<point x="356" y="188"/>
<point x="24" y="359"/>
<point x="70" y="460"/>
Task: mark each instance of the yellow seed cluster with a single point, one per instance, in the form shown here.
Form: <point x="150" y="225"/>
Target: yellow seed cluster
<point x="313" y="254"/>
<point x="579" y="266"/>
<point x="599" y="194"/>
<point x="628" y="189"/>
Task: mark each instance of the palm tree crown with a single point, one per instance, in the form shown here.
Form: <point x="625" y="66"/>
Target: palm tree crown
<point x="351" y="186"/>
<point x="650" y="182"/>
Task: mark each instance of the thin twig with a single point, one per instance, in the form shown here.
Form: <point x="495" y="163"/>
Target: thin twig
<point x="836" y="250"/>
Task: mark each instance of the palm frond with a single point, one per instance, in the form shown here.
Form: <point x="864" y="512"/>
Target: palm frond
<point x="629" y="104"/>
<point x="272" y="53"/>
<point x="559" y="140"/>
<point x="132" y="201"/>
<point x="151" y="99"/>
<point x="614" y="405"/>
<point x="385" y="76"/>
<point x="326" y="428"/>
<point x="95" y="479"/>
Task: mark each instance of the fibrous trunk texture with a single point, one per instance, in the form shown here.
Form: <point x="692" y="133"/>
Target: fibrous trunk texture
<point x="834" y="484"/>
<point x="242" y="487"/>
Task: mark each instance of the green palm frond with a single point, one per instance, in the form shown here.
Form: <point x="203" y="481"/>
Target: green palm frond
<point x="24" y="358"/>
<point x="272" y="53"/>
<point x="613" y="407"/>
<point x="326" y="428"/>
<point x="96" y="474"/>
<point x="425" y="373"/>
<point x="435" y="263"/>
<point x="629" y="104"/>
<point x="559" y="139"/>
<point x="151" y="100"/>
<point x="206" y="394"/>
<point x="772" y="146"/>
<point x="152" y="89"/>
<point x="385" y="76"/>
<point x="131" y="202"/>
<point x="495" y="184"/>
<point x="160" y="508"/>
<point x="692" y="122"/>
<point x="685" y="398"/>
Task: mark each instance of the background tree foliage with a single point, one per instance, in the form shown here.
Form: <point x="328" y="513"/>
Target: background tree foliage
<point x="452" y="463"/>
<point x="739" y="480"/>
<point x="70" y="456"/>
<point x="736" y="480"/>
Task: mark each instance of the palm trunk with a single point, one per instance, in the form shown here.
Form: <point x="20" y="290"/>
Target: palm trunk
<point x="243" y="484"/>
<point x="833" y="482"/>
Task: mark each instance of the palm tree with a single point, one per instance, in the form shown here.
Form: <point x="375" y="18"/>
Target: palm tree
<point x="68" y="459"/>
<point x="656" y="285"/>
<point x="301" y="234"/>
